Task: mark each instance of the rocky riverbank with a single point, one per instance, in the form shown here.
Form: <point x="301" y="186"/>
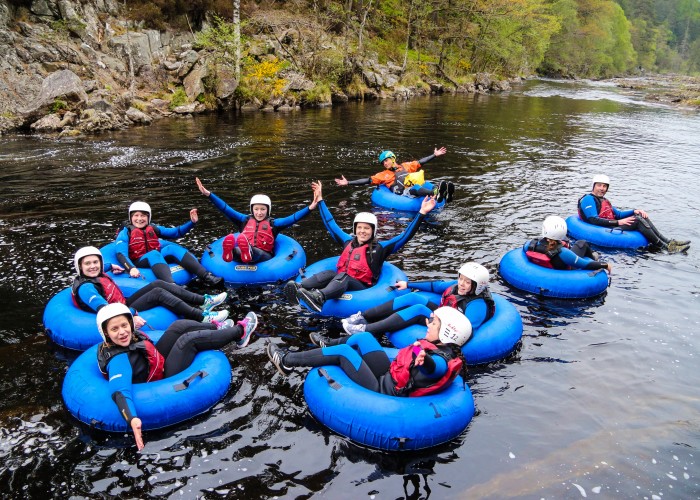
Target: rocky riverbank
<point x="72" y="67"/>
<point x="677" y="90"/>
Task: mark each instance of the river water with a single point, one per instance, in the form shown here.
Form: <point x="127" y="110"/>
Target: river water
<point x="600" y="400"/>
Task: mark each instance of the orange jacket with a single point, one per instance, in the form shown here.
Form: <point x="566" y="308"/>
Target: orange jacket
<point x="388" y="177"/>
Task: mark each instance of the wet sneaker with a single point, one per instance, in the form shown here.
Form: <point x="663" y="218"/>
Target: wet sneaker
<point x="318" y="339"/>
<point x="680" y="243"/>
<point x="221" y="325"/>
<point x="353" y="329"/>
<point x="442" y="191"/>
<point x="276" y="355"/>
<point x="450" y="192"/>
<point x="290" y="291"/>
<point x="313" y="298"/>
<point x="212" y="301"/>
<point x="249" y="324"/>
<point x="212" y="280"/>
<point x="228" y="245"/>
<point x="212" y="316"/>
<point x="356" y="319"/>
<point x="244" y="247"/>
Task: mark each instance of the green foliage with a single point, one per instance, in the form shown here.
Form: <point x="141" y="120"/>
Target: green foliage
<point x="320" y="94"/>
<point x="261" y="80"/>
<point x="58" y="105"/>
<point x="219" y="38"/>
<point x="178" y="98"/>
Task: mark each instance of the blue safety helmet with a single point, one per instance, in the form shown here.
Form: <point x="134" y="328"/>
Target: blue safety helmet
<point x="386" y="154"/>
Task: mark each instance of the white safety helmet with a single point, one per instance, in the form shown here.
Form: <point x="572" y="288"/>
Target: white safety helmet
<point x="601" y="178"/>
<point x="140" y="206"/>
<point x="261" y="199"/>
<point x="478" y="274"/>
<point x="455" y="327"/>
<point x="367" y="218"/>
<point x="84" y="252"/>
<point x="110" y="311"/>
<point x="554" y="228"/>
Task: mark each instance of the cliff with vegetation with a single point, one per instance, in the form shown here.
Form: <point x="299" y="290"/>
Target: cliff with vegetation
<point x="86" y="66"/>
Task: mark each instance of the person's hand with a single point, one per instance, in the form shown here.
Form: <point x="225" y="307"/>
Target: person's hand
<point x="201" y="187"/>
<point x="428" y="204"/>
<point x="117" y="269"/>
<point x="318" y="191"/>
<point x="641" y="213"/>
<point x="134" y="272"/>
<point x="420" y="358"/>
<point x="194" y="217"/>
<point x="136" y="427"/>
<point x="440" y="152"/>
<point x="627" y="221"/>
<point x="342" y="181"/>
<point x="401" y="285"/>
<point x="139" y="322"/>
<point x="609" y="268"/>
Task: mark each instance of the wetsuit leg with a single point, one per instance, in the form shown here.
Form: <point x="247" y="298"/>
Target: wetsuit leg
<point x="190" y="262"/>
<point x="340" y="284"/>
<point x="157" y="296"/>
<point x="344" y="356"/>
<point x="389" y="307"/>
<point x="185" y="338"/>
<point x="259" y="255"/>
<point x="318" y="280"/>
<point x="420" y="191"/>
<point x="371" y="351"/>
<point x="155" y="261"/>
<point x="645" y="226"/>
<point x="582" y="249"/>
<point x="413" y="315"/>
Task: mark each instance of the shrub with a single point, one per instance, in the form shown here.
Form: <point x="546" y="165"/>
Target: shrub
<point x="178" y="98"/>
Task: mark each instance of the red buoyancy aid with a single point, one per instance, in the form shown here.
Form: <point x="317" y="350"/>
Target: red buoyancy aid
<point x="450" y="298"/>
<point x="401" y="367"/>
<point x="606" y="210"/>
<point x="105" y="286"/>
<point x="147" y="363"/>
<point x="260" y="234"/>
<point x="142" y="241"/>
<point x="537" y="253"/>
<point x="354" y="262"/>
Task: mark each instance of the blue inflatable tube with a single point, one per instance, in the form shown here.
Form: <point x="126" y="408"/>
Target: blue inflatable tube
<point x="493" y="340"/>
<point x="387" y="422"/>
<point x="351" y="302"/>
<point x="158" y="404"/>
<point x="181" y="276"/>
<point x="609" y="237"/>
<point x="520" y="272"/>
<point x="72" y="328"/>
<point x="288" y="259"/>
<point x="384" y="197"/>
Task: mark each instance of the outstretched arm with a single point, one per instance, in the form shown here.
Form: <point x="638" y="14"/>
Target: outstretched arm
<point x="336" y="233"/>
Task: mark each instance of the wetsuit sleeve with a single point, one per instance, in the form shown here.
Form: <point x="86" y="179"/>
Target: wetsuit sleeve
<point x="394" y="244"/>
<point x="336" y="233"/>
<point x="435" y="286"/>
<point x="119" y="372"/>
<point x="173" y="233"/>
<point x="122" y="248"/>
<point x="590" y="210"/>
<point x="433" y="367"/>
<point x="233" y="215"/>
<point x="90" y="296"/>
<point x="361" y="182"/>
<point x="477" y="312"/>
<point x="621" y="214"/>
<point x="290" y="219"/>
<point x="425" y="160"/>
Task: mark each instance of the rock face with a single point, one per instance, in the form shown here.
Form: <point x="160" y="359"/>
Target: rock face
<point x="73" y="66"/>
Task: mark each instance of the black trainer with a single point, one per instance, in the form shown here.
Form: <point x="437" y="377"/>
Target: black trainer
<point x="276" y="355"/>
<point x="450" y="192"/>
<point x="212" y="280"/>
<point x="313" y="298"/>
<point x="318" y="339"/>
<point x="442" y="191"/>
<point x="290" y="291"/>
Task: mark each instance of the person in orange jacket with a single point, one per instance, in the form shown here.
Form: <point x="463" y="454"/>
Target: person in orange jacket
<point x="394" y="177"/>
